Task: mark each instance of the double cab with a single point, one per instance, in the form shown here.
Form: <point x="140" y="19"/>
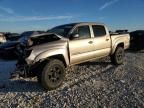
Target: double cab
<point x="48" y="55"/>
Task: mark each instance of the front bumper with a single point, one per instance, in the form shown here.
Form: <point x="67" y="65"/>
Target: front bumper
<point x="26" y="70"/>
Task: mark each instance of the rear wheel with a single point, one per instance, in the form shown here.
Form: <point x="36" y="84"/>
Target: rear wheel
<point x="53" y="74"/>
<point x="118" y="57"/>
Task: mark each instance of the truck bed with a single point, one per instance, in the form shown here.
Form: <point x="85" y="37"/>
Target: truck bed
<point x="120" y="37"/>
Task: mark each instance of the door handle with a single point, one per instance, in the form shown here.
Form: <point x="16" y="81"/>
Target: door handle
<point x="107" y="39"/>
<point x="90" y="42"/>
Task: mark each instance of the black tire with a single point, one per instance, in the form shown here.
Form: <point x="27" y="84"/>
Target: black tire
<point x="39" y="78"/>
<point x="118" y="57"/>
<point x="53" y="74"/>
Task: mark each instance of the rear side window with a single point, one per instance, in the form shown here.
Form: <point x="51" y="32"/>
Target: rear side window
<point x="99" y="30"/>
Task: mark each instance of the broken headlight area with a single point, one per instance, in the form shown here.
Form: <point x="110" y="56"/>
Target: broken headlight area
<point x="20" y="50"/>
<point x="27" y="53"/>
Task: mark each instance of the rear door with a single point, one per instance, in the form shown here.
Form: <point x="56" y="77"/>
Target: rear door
<point x="81" y="48"/>
<point x="102" y="41"/>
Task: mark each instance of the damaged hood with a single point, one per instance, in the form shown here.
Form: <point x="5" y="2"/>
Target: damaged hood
<point x="47" y="42"/>
<point x="45" y="35"/>
<point x="49" y="45"/>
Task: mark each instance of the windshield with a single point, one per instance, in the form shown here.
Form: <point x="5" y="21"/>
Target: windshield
<point x="62" y="30"/>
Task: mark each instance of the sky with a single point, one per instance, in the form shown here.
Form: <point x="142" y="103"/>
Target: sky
<point x="25" y="15"/>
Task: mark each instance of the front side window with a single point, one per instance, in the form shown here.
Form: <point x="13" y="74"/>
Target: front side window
<point x="99" y="30"/>
<point x="83" y="32"/>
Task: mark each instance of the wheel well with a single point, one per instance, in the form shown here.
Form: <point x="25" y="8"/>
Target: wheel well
<point x="42" y="64"/>
<point x="120" y="45"/>
<point x="59" y="57"/>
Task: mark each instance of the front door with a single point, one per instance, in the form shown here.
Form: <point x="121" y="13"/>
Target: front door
<point x="81" y="48"/>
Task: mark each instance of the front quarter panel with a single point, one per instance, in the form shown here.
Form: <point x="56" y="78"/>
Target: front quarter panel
<point x="52" y="52"/>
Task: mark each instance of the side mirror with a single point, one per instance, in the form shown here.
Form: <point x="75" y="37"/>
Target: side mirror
<point x="76" y="36"/>
<point x="73" y="36"/>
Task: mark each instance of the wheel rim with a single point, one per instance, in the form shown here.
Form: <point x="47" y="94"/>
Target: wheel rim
<point x="119" y="55"/>
<point x="55" y="74"/>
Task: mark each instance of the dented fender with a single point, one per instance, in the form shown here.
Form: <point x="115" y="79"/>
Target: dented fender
<point x="49" y="53"/>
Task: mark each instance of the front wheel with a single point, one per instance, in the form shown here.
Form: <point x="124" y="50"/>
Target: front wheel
<point x="53" y="74"/>
<point x="118" y="57"/>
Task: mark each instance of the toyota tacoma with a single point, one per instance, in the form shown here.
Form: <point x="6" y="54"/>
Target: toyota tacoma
<point x="48" y="55"/>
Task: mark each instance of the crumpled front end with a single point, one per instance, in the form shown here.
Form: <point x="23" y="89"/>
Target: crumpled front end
<point x="26" y="68"/>
<point x="31" y="61"/>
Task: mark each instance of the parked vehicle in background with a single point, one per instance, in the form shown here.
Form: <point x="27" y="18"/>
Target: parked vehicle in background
<point x="137" y="40"/>
<point x="2" y="38"/>
<point x="121" y="31"/>
<point x="12" y="36"/>
<point x="9" y="49"/>
<point x="47" y="55"/>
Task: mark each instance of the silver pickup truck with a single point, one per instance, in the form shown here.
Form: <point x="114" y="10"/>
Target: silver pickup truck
<point x="48" y="54"/>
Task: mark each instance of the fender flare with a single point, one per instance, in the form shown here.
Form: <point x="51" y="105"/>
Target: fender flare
<point x="53" y="52"/>
<point x="116" y="45"/>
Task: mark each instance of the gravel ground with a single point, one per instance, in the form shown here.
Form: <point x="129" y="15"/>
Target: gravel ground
<point x="95" y="84"/>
